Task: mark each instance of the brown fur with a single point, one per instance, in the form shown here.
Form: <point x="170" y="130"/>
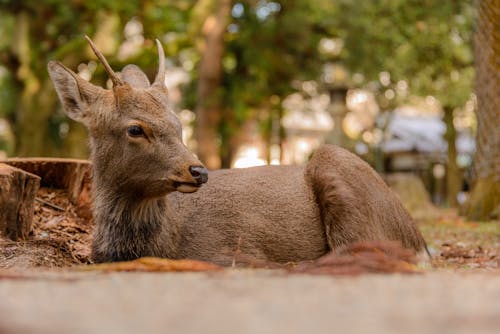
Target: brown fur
<point x="147" y="202"/>
<point x="356" y="204"/>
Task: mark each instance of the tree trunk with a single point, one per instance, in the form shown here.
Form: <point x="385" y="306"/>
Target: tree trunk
<point x="34" y="111"/>
<point x="37" y="102"/>
<point x="208" y="109"/>
<point x="453" y="177"/>
<point x="75" y="143"/>
<point x="35" y="105"/>
<point x="484" y="201"/>
<point x="230" y="140"/>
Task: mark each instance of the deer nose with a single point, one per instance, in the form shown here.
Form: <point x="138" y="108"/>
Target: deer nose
<point x="199" y="173"/>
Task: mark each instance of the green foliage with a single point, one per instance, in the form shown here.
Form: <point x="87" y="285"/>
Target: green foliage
<point x="55" y="30"/>
<point x="269" y="44"/>
<point x="427" y="43"/>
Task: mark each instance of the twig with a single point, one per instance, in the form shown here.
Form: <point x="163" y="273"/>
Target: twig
<point x="53" y="206"/>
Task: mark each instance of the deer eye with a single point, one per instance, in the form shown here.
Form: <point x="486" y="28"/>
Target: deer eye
<point x="135" y="131"/>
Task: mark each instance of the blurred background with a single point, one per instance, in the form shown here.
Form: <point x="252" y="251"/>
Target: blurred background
<point x="266" y="82"/>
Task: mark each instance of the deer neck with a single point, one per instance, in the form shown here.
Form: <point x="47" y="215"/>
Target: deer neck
<point x="129" y="227"/>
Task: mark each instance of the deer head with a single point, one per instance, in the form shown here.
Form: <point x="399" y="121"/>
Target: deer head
<point x="135" y="139"/>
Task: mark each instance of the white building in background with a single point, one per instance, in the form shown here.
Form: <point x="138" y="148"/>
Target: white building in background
<point x="413" y="138"/>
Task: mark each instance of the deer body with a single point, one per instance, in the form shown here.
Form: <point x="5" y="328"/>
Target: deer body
<point x="268" y="213"/>
<point x="154" y="198"/>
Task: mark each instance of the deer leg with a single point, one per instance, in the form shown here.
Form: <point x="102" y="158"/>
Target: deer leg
<point x="355" y="203"/>
<point x="341" y="212"/>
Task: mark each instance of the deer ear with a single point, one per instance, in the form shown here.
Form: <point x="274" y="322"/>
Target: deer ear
<point x="136" y="78"/>
<point x="75" y="93"/>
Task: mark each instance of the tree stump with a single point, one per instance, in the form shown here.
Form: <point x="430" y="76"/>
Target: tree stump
<point x="74" y="175"/>
<point x="18" y="190"/>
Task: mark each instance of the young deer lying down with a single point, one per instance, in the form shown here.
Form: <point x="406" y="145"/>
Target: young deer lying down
<point x="152" y="197"/>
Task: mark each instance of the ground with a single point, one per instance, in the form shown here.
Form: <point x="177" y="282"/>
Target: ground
<point x="42" y="291"/>
<point x="464" y="245"/>
<point x="251" y="301"/>
<point x="60" y="236"/>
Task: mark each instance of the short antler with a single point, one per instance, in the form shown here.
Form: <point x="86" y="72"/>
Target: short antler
<point x="112" y="75"/>
<point x="160" y="77"/>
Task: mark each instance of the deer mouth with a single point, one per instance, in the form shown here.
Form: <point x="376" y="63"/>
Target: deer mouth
<point x="186" y="187"/>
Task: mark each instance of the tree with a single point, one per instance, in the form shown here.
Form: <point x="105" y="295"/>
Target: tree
<point x="209" y="97"/>
<point x="34" y="32"/>
<point x="484" y="201"/>
<point x="269" y="46"/>
<point x="37" y="32"/>
<point x="426" y="44"/>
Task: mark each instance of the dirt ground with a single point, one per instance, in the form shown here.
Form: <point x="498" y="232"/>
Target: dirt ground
<point x="60" y="237"/>
<point x="462" y="245"/>
<point x="251" y="301"/>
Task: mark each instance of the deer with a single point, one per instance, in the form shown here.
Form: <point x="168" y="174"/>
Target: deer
<point x="153" y="197"/>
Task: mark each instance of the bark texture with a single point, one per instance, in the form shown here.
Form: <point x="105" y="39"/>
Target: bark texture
<point x="17" y="196"/>
<point x="485" y="197"/>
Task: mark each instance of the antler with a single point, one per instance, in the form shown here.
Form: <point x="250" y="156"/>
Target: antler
<point x="112" y="75"/>
<point x="160" y="77"/>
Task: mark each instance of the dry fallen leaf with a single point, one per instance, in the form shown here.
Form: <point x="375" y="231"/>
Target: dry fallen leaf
<point x="152" y="264"/>
<point x="363" y="257"/>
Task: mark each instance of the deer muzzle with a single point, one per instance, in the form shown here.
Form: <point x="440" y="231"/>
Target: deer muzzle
<point x="199" y="173"/>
